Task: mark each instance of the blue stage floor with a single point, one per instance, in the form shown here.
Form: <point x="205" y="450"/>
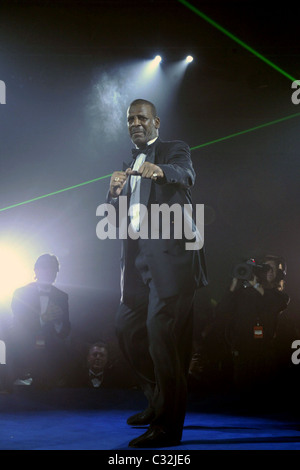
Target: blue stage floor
<point x="70" y="419"/>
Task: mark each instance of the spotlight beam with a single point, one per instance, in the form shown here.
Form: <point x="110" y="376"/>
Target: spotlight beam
<point x="236" y="39"/>
<point x="291" y="116"/>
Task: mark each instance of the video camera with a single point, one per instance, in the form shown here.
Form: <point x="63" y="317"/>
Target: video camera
<point x="247" y="270"/>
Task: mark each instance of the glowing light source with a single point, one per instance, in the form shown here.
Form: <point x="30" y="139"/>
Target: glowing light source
<point x="153" y="64"/>
<point x="150" y="71"/>
<point x="189" y="59"/>
<point x="15" y="271"/>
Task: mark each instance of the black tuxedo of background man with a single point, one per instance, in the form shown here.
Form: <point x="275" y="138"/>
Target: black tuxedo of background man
<point x="158" y="282"/>
<point x="37" y="346"/>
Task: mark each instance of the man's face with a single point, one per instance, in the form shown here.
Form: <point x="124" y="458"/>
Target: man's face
<point x="46" y="275"/>
<point x="97" y="358"/>
<point x="271" y="274"/>
<point x="142" y="125"/>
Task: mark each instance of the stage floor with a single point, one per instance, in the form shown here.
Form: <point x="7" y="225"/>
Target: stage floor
<point x="87" y="419"/>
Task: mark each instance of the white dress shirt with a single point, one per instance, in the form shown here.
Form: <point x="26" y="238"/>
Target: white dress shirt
<point x="44" y="291"/>
<point x="135" y="186"/>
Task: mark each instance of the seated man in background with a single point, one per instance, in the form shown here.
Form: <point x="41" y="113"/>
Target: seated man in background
<point x="91" y="371"/>
<point x="40" y="326"/>
<point x="97" y="359"/>
<point x="98" y="367"/>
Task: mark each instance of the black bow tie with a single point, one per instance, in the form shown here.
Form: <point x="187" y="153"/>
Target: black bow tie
<point x="136" y="152"/>
<point x="95" y="376"/>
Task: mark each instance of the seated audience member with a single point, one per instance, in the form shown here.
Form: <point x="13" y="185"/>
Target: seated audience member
<point x="95" y="372"/>
<point x="98" y="368"/>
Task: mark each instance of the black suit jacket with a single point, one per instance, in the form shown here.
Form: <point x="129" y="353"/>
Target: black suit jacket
<point x="174" y="269"/>
<point x="26" y="312"/>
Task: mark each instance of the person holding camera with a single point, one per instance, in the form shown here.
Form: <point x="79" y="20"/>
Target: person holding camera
<point x="249" y="314"/>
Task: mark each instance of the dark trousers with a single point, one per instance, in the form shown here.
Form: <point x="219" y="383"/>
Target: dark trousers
<point x="155" y="336"/>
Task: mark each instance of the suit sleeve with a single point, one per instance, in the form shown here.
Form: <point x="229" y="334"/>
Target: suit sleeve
<point x="178" y="168"/>
<point x="21" y="308"/>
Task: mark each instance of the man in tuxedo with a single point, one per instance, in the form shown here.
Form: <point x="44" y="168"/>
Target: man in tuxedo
<point x="159" y="277"/>
<point x="91" y="370"/>
<point x="40" y="325"/>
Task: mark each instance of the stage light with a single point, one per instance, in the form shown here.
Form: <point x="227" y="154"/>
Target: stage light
<point x="15" y="271"/>
<point x="189" y="59"/>
<point x="150" y="71"/>
<point x="153" y="64"/>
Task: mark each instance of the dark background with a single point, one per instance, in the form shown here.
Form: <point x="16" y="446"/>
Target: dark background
<point x="72" y="67"/>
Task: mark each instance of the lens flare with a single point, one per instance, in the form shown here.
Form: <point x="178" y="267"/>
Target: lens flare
<point x="15" y="271"/>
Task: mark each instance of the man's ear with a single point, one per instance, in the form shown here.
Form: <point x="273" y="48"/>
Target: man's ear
<point x="157" y="122"/>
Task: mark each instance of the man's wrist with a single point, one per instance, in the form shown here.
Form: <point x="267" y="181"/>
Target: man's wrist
<point x="111" y="197"/>
<point x="161" y="178"/>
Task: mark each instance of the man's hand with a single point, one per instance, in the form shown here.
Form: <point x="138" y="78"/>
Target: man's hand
<point x="233" y="284"/>
<point x="117" y="182"/>
<point x="148" y="170"/>
<point x="256" y="284"/>
<point x="53" y="313"/>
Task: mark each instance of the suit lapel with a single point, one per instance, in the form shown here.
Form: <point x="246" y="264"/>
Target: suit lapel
<point x="35" y="305"/>
<point x="36" y="300"/>
<point x="147" y="182"/>
<point x="127" y="165"/>
<point x="126" y="189"/>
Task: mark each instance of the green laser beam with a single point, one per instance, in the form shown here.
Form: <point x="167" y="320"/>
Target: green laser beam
<point x="55" y="192"/>
<point x="192" y="148"/>
<point x="245" y="131"/>
<point x="236" y="39"/>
